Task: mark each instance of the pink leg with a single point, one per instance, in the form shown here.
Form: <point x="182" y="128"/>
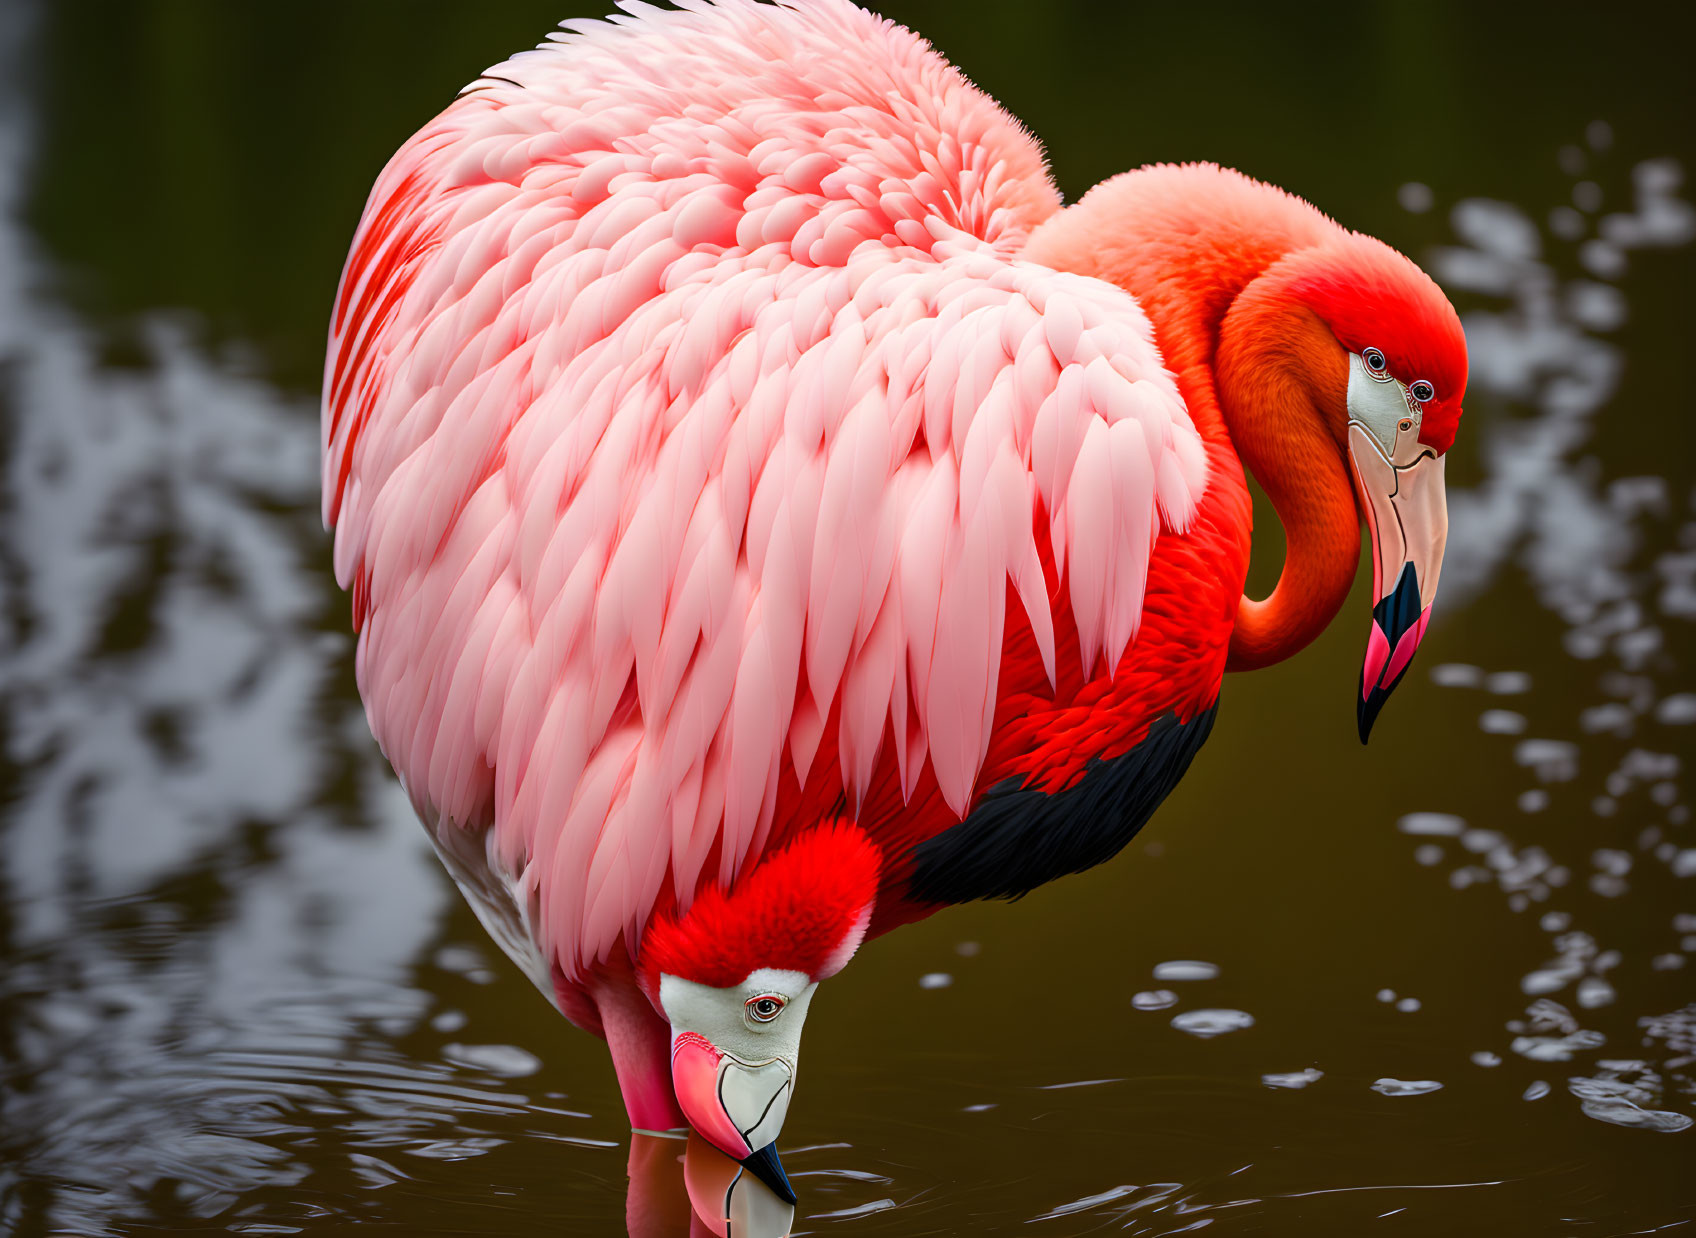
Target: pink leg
<point x="640" y="1043"/>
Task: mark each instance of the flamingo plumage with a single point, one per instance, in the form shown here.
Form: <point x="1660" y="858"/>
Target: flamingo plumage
<point x="771" y="517"/>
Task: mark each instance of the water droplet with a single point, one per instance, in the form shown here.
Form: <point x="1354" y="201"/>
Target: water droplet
<point x="1210" y="1023"/>
<point x="1186" y="969"/>
<point x="1624" y="1113"/>
<point x="1406" y="1087"/>
<point x="1601" y="259"/>
<point x="1612" y="718"/>
<point x="1553" y="760"/>
<point x="1556" y="1048"/>
<point x="1480" y="841"/>
<point x="1622" y="1102"/>
<point x="1386" y="995"/>
<point x="1294" y="1079"/>
<point x="1415" y="198"/>
<point x="1408" y="1005"/>
<point x="1611" y="861"/>
<point x="1463" y="877"/>
<point x="1435" y="823"/>
<point x="1593" y="991"/>
<point x="1607" y="885"/>
<point x="935" y="980"/>
<point x="1537" y="1091"/>
<point x="1154" y="999"/>
<point x="1508" y="683"/>
<point x="1456" y="675"/>
<point x="1485" y="1058"/>
<point x="458" y="959"/>
<point x="1678" y="710"/>
<point x="508" y="1061"/>
<point x="1501" y="722"/>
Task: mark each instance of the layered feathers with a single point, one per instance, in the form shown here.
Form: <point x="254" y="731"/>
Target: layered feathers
<point x="685" y="389"/>
<point x="804" y="908"/>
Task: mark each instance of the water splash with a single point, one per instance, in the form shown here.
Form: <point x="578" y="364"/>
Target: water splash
<point x="1210" y="1023"/>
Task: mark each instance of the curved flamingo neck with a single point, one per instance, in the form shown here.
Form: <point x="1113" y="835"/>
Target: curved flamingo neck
<point x="1283" y="381"/>
<point x="1214" y="258"/>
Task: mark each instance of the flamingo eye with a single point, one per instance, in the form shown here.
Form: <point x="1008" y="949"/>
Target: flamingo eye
<point x="1375" y="363"/>
<point x="764" y="1008"/>
<point x="1422" y="391"/>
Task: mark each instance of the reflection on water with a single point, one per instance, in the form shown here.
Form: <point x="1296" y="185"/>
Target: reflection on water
<point x="193" y="923"/>
<point x="1542" y="347"/>
<point x="1611" y="558"/>
<point x="236" y="995"/>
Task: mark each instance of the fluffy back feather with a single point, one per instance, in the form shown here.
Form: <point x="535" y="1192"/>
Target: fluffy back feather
<point x="804" y="908"/>
<point x="684" y="387"/>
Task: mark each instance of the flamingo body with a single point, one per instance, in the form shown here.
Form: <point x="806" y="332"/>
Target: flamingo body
<point x="770" y="517"/>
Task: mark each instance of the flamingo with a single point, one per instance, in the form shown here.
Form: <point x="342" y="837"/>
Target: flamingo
<point x="771" y="516"/>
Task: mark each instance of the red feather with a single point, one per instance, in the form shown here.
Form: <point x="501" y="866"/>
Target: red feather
<point x="803" y="909"/>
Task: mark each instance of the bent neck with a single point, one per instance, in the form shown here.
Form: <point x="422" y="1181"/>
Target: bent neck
<point x="1210" y="256"/>
<point x="1284" y="379"/>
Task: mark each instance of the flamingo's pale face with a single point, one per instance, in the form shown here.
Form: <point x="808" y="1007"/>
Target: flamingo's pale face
<point x="734" y="1057"/>
<point x="1399" y="482"/>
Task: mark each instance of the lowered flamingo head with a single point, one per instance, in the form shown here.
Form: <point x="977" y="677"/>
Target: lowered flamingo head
<point x="734" y="977"/>
<point x="1399" y="410"/>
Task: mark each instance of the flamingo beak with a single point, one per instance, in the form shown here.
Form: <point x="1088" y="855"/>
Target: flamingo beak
<point x="736" y="1106"/>
<point x="1407" y="516"/>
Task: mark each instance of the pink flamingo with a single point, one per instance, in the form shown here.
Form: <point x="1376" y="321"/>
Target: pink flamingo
<point x="770" y="517"/>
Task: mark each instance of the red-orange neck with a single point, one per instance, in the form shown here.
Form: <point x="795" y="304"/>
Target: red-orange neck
<point x="1283" y="381"/>
<point x="1210" y="256"/>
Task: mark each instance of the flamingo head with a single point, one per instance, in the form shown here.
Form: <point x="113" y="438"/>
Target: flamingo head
<point x="735" y="975"/>
<point x="1398" y="411"/>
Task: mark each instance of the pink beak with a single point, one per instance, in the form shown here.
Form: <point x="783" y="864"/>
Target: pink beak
<point x="1407" y="516"/>
<point x="736" y="1106"/>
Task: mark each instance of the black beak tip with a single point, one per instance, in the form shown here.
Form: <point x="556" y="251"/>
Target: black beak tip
<point x="1370" y="704"/>
<point x="1394" y="617"/>
<point x="765" y="1166"/>
<point x="1367" y="712"/>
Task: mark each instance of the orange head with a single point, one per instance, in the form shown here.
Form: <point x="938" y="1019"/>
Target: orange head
<point x="1356" y="333"/>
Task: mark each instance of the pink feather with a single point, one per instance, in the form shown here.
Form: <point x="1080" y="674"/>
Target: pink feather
<point x="685" y="361"/>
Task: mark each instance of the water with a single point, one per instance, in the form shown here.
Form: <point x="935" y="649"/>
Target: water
<point x="1456" y="972"/>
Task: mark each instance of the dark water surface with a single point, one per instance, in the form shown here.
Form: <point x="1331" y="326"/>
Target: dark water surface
<point x="1452" y="978"/>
